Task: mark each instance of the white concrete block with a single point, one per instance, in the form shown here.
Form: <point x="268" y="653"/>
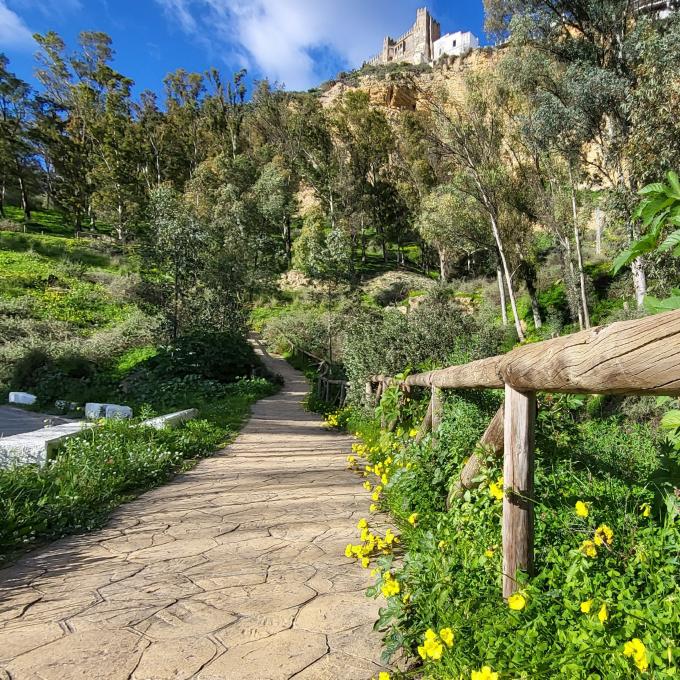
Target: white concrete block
<point x="171" y="419"/>
<point x="22" y="398"/>
<point x="117" y="411"/>
<point x="36" y="447"/>
<point x="94" y="411"/>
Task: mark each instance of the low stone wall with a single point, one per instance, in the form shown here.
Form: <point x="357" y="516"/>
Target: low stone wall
<point x="38" y="447"/>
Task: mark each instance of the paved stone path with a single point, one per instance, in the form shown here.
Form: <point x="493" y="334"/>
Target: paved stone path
<point x="235" y="570"/>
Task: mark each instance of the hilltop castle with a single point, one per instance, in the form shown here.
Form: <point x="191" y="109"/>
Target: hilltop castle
<point x="424" y="43"/>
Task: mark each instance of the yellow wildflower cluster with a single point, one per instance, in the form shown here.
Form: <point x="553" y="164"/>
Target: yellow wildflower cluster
<point x="371" y="544"/>
<point x="603" y="536"/>
<point x="646" y="509"/>
<point x="413" y="433"/>
<point x="496" y="489"/>
<point x="636" y="650"/>
<point x="413" y="518"/>
<point x="581" y="509"/>
<point x="332" y="420"/>
<point x="434" y="645"/>
<point x="351" y="462"/>
<point x="485" y="674"/>
<point x="390" y="585"/>
<point x="383" y="675"/>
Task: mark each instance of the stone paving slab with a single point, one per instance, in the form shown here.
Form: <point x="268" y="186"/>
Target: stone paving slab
<point x="234" y="571"/>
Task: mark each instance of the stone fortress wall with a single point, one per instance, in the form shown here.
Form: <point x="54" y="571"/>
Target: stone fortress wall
<point x="416" y="46"/>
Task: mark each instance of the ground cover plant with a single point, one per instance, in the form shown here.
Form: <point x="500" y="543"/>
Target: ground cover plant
<point x="106" y="466"/>
<point x="604" y="601"/>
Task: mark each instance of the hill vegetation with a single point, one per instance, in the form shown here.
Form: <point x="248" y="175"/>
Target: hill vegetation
<point x="142" y="238"/>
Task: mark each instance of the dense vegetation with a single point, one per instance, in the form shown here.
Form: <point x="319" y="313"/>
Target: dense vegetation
<point x="534" y="197"/>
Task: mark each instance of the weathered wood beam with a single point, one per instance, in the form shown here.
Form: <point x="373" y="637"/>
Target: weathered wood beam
<point x="491" y="441"/>
<point x="629" y="357"/>
<point x="426" y="425"/>
<point x="518" y="476"/>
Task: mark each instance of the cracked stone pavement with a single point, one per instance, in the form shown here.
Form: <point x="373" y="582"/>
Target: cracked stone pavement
<point x="234" y="570"/>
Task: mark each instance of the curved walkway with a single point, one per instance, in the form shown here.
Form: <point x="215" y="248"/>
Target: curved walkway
<point x="235" y="570"/>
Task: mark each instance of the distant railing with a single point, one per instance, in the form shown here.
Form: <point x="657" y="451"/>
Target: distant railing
<point x="628" y="357"/>
<point x="644" y="6"/>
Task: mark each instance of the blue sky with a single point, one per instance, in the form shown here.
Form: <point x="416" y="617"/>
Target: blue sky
<point x="296" y="42"/>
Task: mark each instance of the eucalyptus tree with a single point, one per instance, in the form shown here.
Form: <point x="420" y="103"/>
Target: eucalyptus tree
<point x="598" y="45"/>
<point x="17" y="158"/>
<point x="454" y="224"/>
<point x="470" y="134"/>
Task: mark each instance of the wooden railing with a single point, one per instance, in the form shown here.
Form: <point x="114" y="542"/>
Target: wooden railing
<point x="629" y="357"/>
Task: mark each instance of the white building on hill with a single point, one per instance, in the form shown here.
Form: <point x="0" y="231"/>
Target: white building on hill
<point x="455" y="44"/>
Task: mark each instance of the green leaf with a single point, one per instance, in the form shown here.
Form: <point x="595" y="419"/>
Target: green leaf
<point x="672" y="241"/>
<point x="674" y="182"/>
<point x="655" y="305"/>
<point x="671" y="421"/>
<point x="623" y="259"/>
<point x="654" y="188"/>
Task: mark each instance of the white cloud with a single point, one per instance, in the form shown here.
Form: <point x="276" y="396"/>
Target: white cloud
<point x="14" y="34"/>
<point x="282" y="37"/>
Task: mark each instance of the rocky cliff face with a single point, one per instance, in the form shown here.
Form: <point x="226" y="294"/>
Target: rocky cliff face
<point x="403" y="90"/>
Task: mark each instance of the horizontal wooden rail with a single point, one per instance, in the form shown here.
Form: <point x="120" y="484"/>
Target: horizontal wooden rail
<point x="628" y="357"/>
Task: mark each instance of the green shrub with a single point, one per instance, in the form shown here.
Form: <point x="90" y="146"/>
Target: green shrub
<point x="579" y="611"/>
<point x="220" y="356"/>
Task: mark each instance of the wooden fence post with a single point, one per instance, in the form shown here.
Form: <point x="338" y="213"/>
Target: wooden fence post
<point x="437" y="402"/>
<point x="518" y="476"/>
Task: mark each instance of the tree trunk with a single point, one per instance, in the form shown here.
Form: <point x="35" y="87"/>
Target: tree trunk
<point x="579" y="254"/>
<point x="288" y="241"/>
<point x="443" y="274"/>
<point x="637" y="268"/>
<point x="25" y="205"/>
<point x="501" y="290"/>
<point x="599" y="229"/>
<point x="508" y="277"/>
<point x="535" y="309"/>
<point x="2" y="197"/>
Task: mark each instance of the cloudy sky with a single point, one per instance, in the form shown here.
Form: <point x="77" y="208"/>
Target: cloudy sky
<point x="298" y="43"/>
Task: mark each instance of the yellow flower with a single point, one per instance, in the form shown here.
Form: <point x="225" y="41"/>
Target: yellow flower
<point x="367" y="486"/>
<point x="485" y="674"/>
<point x="383" y="676"/>
<point x="517" y="602"/>
<point x="365" y="562"/>
<point x="348" y="550"/>
<point x="581" y="509"/>
<point x="406" y="598"/>
<point x="362" y="524"/>
<point x="413" y="432"/>
<point x="588" y="549"/>
<point x="586" y="606"/>
<point x="442" y="544"/>
<point x="389" y="537"/>
<point x="431" y="648"/>
<point x="446" y="634"/>
<point x="373" y="507"/>
<point x="413" y="518"/>
<point x="496" y="489"/>
<point x="383" y="478"/>
<point x="488" y="552"/>
<point x="603" y="534"/>
<point x="636" y="650"/>
<point x="389" y="587"/>
<point x="646" y="509"/>
<point x="603" y="614"/>
<point x="365" y="533"/>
